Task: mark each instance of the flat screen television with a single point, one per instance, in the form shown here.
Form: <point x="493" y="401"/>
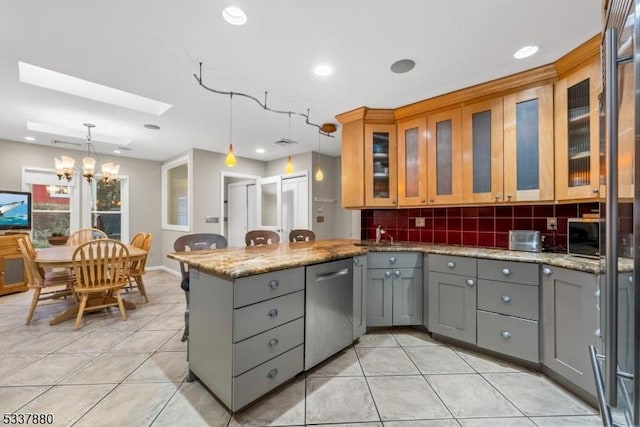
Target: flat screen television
<point x="15" y="210"/>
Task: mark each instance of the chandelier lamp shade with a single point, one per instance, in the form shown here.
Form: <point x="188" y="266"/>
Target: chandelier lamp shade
<point x="65" y="164"/>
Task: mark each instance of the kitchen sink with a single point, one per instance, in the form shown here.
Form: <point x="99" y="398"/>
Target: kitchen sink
<point x="368" y="243"/>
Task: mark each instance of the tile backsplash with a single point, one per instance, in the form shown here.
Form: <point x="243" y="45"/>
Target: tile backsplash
<point x="486" y="226"/>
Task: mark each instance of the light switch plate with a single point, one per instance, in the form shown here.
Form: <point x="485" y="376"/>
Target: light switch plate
<point x="211" y="220"/>
<point x="420" y="221"/>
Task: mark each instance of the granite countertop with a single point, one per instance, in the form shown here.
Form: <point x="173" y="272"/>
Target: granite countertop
<point x="232" y="263"/>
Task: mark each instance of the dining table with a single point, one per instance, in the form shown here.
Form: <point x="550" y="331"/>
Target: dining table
<point x="61" y="256"/>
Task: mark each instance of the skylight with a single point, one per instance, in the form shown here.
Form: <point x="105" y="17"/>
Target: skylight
<point x="42" y="77"/>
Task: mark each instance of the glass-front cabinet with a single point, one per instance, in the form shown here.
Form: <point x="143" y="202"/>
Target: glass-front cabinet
<point x="380" y="165"/>
<point x="577" y="137"/>
<point x="412" y="162"/>
<point x="528" y="145"/>
<point x="444" y="142"/>
<point x="482" y="136"/>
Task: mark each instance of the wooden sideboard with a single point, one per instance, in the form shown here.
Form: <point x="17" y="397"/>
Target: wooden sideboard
<point x="12" y="273"/>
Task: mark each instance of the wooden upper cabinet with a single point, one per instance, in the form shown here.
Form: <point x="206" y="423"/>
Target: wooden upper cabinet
<point x="528" y="145"/>
<point x="412" y="162"/>
<point x="353" y="164"/>
<point x="380" y="173"/>
<point x="444" y="152"/>
<point x="577" y="150"/>
<point x="482" y="167"/>
<point x="626" y="134"/>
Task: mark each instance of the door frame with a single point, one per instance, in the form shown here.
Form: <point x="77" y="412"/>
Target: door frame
<point x="223" y="191"/>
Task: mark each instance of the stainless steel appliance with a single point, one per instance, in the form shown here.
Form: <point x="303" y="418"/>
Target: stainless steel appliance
<point x="525" y="240"/>
<point x="583" y="237"/>
<point x="616" y="366"/>
<point x="329" y="310"/>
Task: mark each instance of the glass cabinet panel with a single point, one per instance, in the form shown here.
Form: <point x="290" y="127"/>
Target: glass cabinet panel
<point x="444" y="154"/>
<point x="481" y="140"/>
<point x="578" y="135"/>
<point x="411" y="163"/>
<point x="527" y="145"/>
<point x="381" y="165"/>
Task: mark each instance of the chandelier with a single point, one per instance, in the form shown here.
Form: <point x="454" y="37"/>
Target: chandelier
<point x="65" y="164"/>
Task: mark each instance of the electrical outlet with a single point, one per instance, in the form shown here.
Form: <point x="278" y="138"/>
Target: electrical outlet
<point x="420" y="221"/>
<point x="552" y="223"/>
<point x="211" y="219"/>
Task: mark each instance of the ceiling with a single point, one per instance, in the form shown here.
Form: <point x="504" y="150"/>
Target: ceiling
<point x="152" y="48"/>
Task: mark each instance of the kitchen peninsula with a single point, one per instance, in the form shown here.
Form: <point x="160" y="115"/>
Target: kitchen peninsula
<point x="248" y="308"/>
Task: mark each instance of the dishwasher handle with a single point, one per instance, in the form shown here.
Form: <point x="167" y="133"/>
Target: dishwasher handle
<point x="332" y="275"/>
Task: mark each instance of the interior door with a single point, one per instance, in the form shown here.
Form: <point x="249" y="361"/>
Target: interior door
<point x="269" y="212"/>
<point x="241" y="205"/>
<point x="295" y="204"/>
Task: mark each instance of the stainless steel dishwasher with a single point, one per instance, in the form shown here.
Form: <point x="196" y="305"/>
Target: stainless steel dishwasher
<point x="329" y="310"/>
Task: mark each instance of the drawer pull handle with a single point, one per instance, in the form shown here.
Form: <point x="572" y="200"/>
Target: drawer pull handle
<point x="506" y="272"/>
<point x="397" y="273"/>
<point x="273" y="342"/>
<point x="451" y="264"/>
<point x="506" y="299"/>
<point x="273" y="312"/>
<point x="506" y="335"/>
<point x="547" y="271"/>
<point x="387" y="274"/>
<point x="274" y="284"/>
<point x="392" y="260"/>
<point x="272" y="374"/>
<point x="470" y="282"/>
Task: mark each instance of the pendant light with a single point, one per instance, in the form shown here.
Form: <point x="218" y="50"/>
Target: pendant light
<point x="230" y="160"/>
<point x="288" y="169"/>
<point x="319" y="173"/>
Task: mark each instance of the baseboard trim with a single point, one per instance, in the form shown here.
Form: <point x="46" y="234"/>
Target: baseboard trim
<point x="164" y="268"/>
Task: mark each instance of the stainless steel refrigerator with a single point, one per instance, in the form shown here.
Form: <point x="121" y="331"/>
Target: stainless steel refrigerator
<point x="617" y="364"/>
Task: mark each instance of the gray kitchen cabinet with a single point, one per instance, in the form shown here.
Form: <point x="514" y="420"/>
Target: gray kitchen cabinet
<point x="359" y="296"/>
<point x="452" y="306"/>
<point x="570" y="323"/>
<point x="394" y="290"/>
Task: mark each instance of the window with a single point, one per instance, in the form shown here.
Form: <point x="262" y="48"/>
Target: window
<point x="176" y="195"/>
<point x="108" y="207"/>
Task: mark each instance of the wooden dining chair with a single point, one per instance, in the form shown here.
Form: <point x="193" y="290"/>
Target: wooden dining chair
<point x="85" y="235"/>
<point x="301" y="235"/>
<point x="261" y="237"/>
<point x="45" y="285"/>
<point x="137" y="266"/>
<point x="101" y="268"/>
<point x="193" y="242"/>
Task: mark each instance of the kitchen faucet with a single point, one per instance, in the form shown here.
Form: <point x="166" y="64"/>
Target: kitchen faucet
<point x="379" y="232"/>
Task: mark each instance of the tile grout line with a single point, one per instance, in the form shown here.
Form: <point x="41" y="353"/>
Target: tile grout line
<point x="364" y="375"/>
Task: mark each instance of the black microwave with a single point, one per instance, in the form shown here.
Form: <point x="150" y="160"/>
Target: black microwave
<point x="583" y="236"/>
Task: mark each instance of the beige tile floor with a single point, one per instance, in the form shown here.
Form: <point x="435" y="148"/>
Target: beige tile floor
<point x="132" y="373"/>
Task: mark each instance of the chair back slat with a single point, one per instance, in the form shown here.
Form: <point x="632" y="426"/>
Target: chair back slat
<point x="101" y="264"/>
<point x="261" y="237"/>
<point x="35" y="275"/>
<point x="85" y="235"/>
<point x="301" y="235"/>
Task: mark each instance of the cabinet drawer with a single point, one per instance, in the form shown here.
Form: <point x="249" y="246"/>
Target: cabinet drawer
<point x="253" y="351"/>
<point x="394" y="260"/>
<point x="508" y="298"/>
<point x="256" y="318"/>
<point x="252" y="289"/>
<point x="508" y="335"/>
<point x="256" y="382"/>
<point x="462" y="266"/>
<point x="508" y="271"/>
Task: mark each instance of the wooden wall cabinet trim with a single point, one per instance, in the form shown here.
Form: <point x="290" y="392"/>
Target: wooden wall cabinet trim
<point x="412" y="162"/>
<point x="380" y="165"/>
<point x="353" y="164"/>
<point x="444" y="154"/>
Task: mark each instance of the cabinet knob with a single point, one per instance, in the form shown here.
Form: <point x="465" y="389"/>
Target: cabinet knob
<point x="392" y="260"/>
<point x="509" y="196"/>
<point x="423" y="201"/>
<point x="630" y="279"/>
<point x="506" y="272"/>
<point x="505" y="334"/>
<point x="431" y="200"/>
<point x="273" y="312"/>
<point x="356" y="261"/>
<point x="387" y="274"/>
<point x="497" y="197"/>
<point x="451" y="264"/>
<point x="506" y="299"/>
<point x="273" y="342"/>
<point x="393" y="202"/>
<point x="596" y="190"/>
<point x="547" y="271"/>
<point x="274" y="284"/>
<point x="272" y="374"/>
<point x="470" y="282"/>
<point x="397" y="273"/>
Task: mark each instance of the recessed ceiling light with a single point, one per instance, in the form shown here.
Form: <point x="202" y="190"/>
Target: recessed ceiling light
<point x="525" y="52"/>
<point x="403" y="66"/>
<point x="234" y="15"/>
<point x="323" y="70"/>
<point x="76" y="133"/>
<point x="117" y="151"/>
<point x="42" y="77"/>
<point x="151" y="126"/>
<point x="260" y="150"/>
<point x="29" y="138"/>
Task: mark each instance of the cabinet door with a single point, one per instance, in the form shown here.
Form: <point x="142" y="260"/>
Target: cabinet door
<point x="482" y="131"/>
<point x="380" y="165"/>
<point x="528" y="145"/>
<point x="379" y="297"/>
<point x="570" y="323"/>
<point x="352" y="149"/>
<point x="444" y="149"/>
<point x="577" y="138"/>
<point x="452" y="306"/>
<point x="359" y="296"/>
<point x="407" y="296"/>
<point x="412" y="162"/>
